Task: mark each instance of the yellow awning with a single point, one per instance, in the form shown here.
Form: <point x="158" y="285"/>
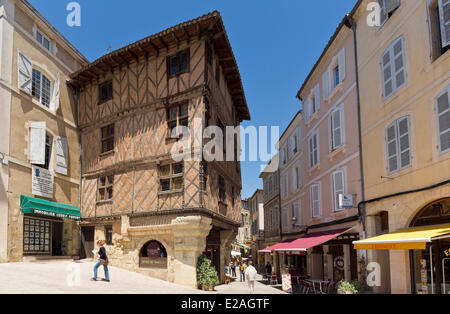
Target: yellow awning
<point x="405" y="239"/>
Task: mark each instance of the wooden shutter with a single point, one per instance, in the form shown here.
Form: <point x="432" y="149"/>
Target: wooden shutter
<point x="444" y="15"/>
<point x="342" y="65"/>
<point x="317" y="96"/>
<point x="392" y="153"/>
<point x="325" y="85"/>
<point x="57" y="93"/>
<point x="25" y="70"/>
<point x="37" y="142"/>
<point x="398" y="63"/>
<point x="311" y="152"/>
<point x="338" y="187"/>
<point x="404" y="142"/>
<point x="336" y="129"/>
<point x="443" y="113"/>
<point x="62" y="157"/>
<point x="315" y="200"/>
<point x="388" y="85"/>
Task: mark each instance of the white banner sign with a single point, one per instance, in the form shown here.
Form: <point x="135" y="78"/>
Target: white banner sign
<point x="346" y="201"/>
<point x="42" y="182"/>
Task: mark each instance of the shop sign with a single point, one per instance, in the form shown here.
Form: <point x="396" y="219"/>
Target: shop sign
<point x="153" y="250"/>
<point x="286" y="283"/>
<point x="346" y="201"/>
<point x="339" y="263"/>
<point x="447" y="252"/>
<point x="42" y="182"/>
<point x="153" y="263"/>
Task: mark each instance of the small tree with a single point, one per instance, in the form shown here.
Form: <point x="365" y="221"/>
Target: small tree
<point x="206" y="273"/>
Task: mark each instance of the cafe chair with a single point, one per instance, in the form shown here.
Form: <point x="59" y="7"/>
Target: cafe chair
<point x="273" y="280"/>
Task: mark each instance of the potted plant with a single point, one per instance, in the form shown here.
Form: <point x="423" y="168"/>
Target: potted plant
<point x="346" y="287"/>
<point x="207" y="277"/>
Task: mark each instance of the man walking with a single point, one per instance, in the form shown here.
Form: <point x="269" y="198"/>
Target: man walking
<point x="233" y="269"/>
<point x="250" y="274"/>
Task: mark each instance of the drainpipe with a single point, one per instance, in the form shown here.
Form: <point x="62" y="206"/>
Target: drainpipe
<point x="361" y="205"/>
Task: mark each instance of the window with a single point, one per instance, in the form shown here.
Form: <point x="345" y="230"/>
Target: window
<point x="285" y="218"/>
<point x="284" y="154"/>
<point x="336" y="135"/>
<point x="205" y="177"/>
<point x="284" y="186"/>
<point x="315" y="200"/>
<point x="177" y="116"/>
<point x="312" y="104"/>
<point x="107" y="139"/>
<point x="44" y="41"/>
<point x="335" y="75"/>
<point x="109" y="235"/>
<point x="338" y="184"/>
<point x="393" y="68"/>
<point x="387" y="9"/>
<point x="171" y="177"/>
<point x="48" y="152"/>
<point x="178" y="63"/>
<point x="270" y="184"/>
<point x="297" y="177"/>
<point x="41" y="88"/>
<point x="222" y="189"/>
<point x="443" y="115"/>
<point x="439" y="16"/>
<point x="105" y="188"/>
<point x="209" y="54"/>
<point x="313" y="150"/>
<point x="295" y="213"/>
<point x="105" y="91"/>
<point x="398" y="145"/>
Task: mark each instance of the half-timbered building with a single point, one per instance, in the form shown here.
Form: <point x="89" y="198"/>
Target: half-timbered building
<point x="157" y="215"/>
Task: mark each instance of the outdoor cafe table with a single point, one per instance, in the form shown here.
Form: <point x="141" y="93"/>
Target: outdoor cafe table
<point x="320" y="282"/>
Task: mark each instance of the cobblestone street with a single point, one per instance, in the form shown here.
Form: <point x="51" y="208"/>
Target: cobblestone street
<point x="54" y="277"/>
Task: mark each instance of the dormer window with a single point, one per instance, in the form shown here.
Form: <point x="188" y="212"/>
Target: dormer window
<point x="44" y="41"/>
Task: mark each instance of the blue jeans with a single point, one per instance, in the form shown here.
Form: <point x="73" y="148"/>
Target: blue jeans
<point x="242" y="276"/>
<point x="105" y="268"/>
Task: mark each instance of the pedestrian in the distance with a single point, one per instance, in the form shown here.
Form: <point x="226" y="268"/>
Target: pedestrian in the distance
<point x="103" y="260"/>
<point x="250" y="274"/>
<point x="269" y="269"/>
<point x="233" y="269"/>
<point x="242" y="269"/>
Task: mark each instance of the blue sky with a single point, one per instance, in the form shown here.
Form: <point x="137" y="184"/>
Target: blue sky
<point x="276" y="44"/>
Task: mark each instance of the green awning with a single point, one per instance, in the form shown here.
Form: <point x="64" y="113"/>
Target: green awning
<point x="31" y="205"/>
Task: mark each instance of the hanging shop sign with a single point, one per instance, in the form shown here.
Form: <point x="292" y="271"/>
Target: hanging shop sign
<point x="42" y="182"/>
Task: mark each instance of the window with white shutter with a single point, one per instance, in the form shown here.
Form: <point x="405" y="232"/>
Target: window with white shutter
<point x="338" y="184"/>
<point x="62" y="156"/>
<point x="398" y="145"/>
<point x="41" y="88"/>
<point x="57" y="93"/>
<point x="336" y="129"/>
<point x="393" y="68"/>
<point x="25" y="72"/>
<point x="444" y="16"/>
<point x="317" y="97"/>
<point x="315" y="200"/>
<point x="37" y="142"/>
<point x="443" y="115"/>
<point x="313" y="150"/>
<point x="387" y="8"/>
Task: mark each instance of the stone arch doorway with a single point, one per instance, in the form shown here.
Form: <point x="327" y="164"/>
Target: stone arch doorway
<point x="430" y="268"/>
<point x="153" y="254"/>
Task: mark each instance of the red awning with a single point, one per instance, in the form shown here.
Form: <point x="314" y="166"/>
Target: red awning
<point x="275" y="246"/>
<point x="309" y="241"/>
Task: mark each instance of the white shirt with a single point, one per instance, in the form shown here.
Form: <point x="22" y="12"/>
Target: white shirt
<point x="250" y="273"/>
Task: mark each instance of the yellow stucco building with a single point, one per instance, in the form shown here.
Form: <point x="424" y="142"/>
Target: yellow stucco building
<point x="404" y="68"/>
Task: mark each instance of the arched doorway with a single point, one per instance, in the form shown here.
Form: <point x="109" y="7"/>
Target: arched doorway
<point x="430" y="268"/>
<point x="153" y="255"/>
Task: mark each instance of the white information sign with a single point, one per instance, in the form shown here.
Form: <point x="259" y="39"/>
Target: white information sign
<point x="42" y="182"/>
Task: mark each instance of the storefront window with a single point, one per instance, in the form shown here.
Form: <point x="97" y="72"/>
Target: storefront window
<point x="36" y="236"/>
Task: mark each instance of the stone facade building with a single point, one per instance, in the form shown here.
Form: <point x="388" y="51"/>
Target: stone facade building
<point x="134" y="194"/>
<point x="39" y="146"/>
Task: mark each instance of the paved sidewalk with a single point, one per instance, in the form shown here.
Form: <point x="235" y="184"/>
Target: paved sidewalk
<point x="51" y="277"/>
<point x="237" y="287"/>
